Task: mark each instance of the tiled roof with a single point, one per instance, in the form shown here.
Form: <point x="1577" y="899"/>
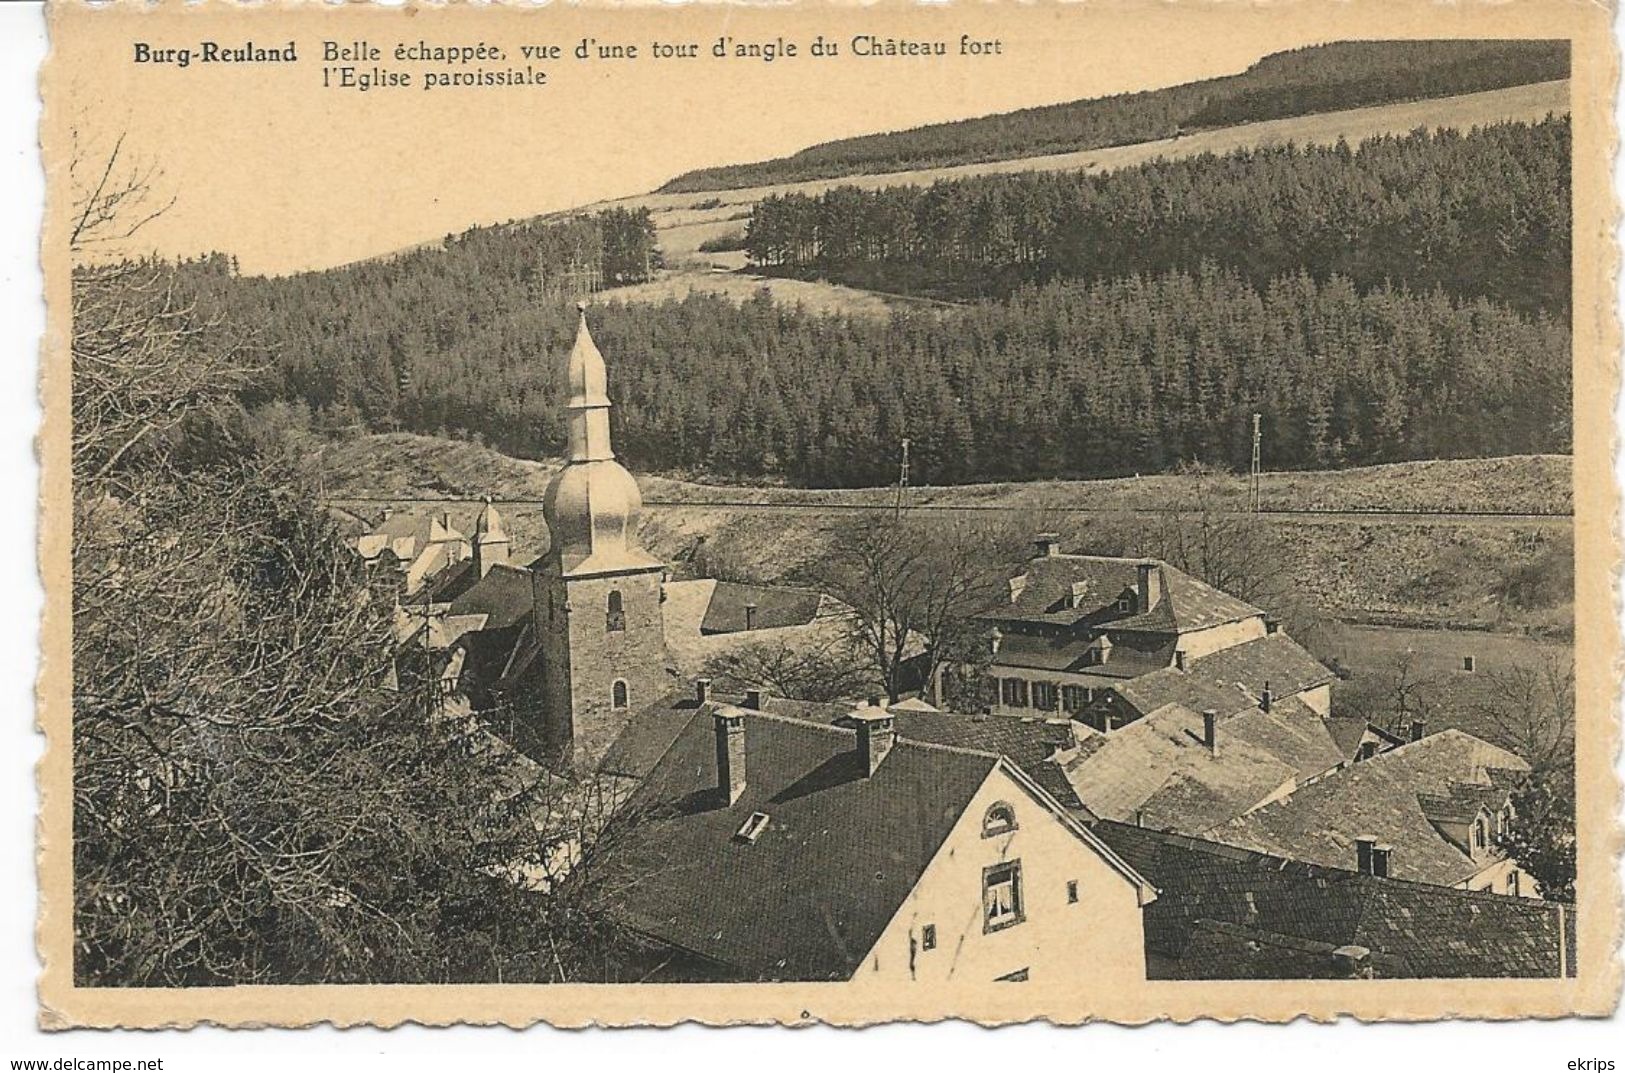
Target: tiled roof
<point x="1229" y="913"/>
<point x="1028" y="743"/>
<point x="1149" y="692"/>
<point x="1275" y="659"/>
<point x="1291" y="732"/>
<point x="810" y="896"/>
<point x="1347" y="731"/>
<point x="1046" y="596"/>
<point x="504" y="595"/>
<point x="775" y="606"/>
<point x="1132" y="654"/>
<point x="1382" y="797"/>
<point x="1159" y="768"/>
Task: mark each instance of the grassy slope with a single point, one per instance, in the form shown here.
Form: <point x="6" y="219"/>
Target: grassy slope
<point x="684" y="221"/>
<point x="1353" y="568"/>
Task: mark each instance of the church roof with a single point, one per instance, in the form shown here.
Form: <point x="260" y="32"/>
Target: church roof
<point x="592" y="504"/>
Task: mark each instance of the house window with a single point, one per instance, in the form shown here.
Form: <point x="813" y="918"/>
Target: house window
<point x="1481" y="838"/>
<point x="1044" y="696"/>
<point x="1467" y="664"/>
<point x="1001" y="896"/>
<point x="1513" y="885"/>
<point x="1000" y="819"/>
<point x="1074" y="698"/>
<point x="1072" y="892"/>
<point x="614" y="613"/>
<point x="1125" y="604"/>
<point x="1014" y="692"/>
<point x="618" y="694"/>
<point x="928" y="937"/>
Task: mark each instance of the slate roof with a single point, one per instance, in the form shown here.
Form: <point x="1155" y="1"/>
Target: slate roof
<point x="1185" y="603"/>
<point x="504" y="596"/>
<point x="1290" y="731"/>
<point x="1028" y="743"/>
<point x="809" y="898"/>
<point x="1149" y="692"/>
<point x="1384" y="797"/>
<point x="1159" y="768"/>
<point x="776" y="606"/>
<point x="1132" y="654"/>
<point x="1275" y="658"/>
<point x="1230" y="913"/>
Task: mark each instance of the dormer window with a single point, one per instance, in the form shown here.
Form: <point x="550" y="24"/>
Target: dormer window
<point x="1481" y="834"/>
<point x="614" y="613"/>
<point x="1125" y="604"/>
<point x="752" y="828"/>
<point x="1000" y="819"/>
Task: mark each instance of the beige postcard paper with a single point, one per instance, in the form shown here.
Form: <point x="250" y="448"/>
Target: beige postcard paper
<point x="632" y="514"/>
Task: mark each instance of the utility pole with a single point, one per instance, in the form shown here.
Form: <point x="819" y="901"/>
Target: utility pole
<point x="902" y="483"/>
<point x="1253" y="496"/>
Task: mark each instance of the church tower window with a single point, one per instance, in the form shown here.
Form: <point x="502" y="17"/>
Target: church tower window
<point x="615" y="613"/>
<point x="618" y="694"/>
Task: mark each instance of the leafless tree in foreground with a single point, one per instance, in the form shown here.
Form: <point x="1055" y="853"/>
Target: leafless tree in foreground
<point x="252" y="802"/>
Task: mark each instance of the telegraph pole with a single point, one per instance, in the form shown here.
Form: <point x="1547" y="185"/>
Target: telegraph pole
<point x="1253" y="496"/>
<point x="902" y="483"/>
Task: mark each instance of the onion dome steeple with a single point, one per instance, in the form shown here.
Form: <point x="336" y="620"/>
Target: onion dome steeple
<point x="592" y="504"/>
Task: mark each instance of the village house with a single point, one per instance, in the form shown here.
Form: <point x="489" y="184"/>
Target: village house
<point x="770" y="848"/>
<point x="1430" y="811"/>
<point x="1106" y="641"/>
<point x="413" y="547"/>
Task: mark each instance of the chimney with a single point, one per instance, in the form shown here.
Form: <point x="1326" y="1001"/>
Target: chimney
<point x="1149" y="589"/>
<point x="1179" y="658"/>
<point x="995" y="638"/>
<point x="1210" y="731"/>
<point x="702" y="690"/>
<point x="1266" y="698"/>
<point x="730" y="730"/>
<point x="1419" y="728"/>
<point x="750" y="616"/>
<point x="1353" y="962"/>
<point x="1365" y="855"/>
<point x="1047" y="545"/>
<point x="876" y="735"/>
<point x="756" y="700"/>
<point x="1018" y="585"/>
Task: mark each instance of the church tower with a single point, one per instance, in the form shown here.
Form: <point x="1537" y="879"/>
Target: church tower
<point x="490" y="540"/>
<point x="597" y="593"/>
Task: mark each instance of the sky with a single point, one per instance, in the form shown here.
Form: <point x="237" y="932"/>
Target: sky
<point x="265" y="164"/>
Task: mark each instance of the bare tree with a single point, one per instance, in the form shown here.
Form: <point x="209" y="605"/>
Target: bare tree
<point x="1530" y="709"/>
<point x="829" y="669"/>
<point x="912" y="585"/>
<point x="252" y="802"/>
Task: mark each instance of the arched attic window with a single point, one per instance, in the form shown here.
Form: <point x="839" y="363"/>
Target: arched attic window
<point x="999" y="819"/>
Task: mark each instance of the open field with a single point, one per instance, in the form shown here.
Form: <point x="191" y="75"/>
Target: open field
<point x="1505" y="572"/>
<point x="1452" y="696"/>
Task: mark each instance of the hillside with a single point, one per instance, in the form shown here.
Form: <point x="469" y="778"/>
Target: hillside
<point x="685" y="220"/>
<point x="1323" y="78"/>
<point x="1455" y="570"/>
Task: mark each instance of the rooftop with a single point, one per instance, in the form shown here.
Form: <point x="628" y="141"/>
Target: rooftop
<point x="1074" y="590"/>
<point x="781" y="906"/>
<point x="1231" y="913"/>
<point x="1395" y="796"/>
